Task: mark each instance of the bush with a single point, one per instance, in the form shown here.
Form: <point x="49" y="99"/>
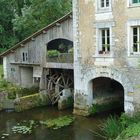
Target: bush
<point x="53" y="53"/>
<point x="3" y="84"/>
<point x="12" y="89"/>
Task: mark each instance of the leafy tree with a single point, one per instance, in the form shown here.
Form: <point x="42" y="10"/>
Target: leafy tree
<point x="39" y="14"/>
<point x="7" y="36"/>
<point x="20" y="18"/>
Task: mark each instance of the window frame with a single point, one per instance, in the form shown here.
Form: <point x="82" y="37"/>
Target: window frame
<point x="130" y="25"/>
<point x="138" y="2"/>
<point x="100" y="9"/>
<point x="137" y="37"/>
<point x="24" y="56"/>
<point x="131" y="4"/>
<point x="138" y="40"/>
<point x="102" y="49"/>
<point x="104" y="3"/>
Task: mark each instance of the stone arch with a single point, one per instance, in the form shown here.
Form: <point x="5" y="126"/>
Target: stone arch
<point x="59" y="37"/>
<point x="57" y="41"/>
<point x="111" y="73"/>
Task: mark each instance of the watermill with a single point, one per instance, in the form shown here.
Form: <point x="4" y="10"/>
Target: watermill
<point x="57" y="81"/>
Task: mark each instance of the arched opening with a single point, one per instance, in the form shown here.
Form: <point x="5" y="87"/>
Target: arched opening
<point x="108" y="94"/>
<point x="62" y="45"/>
<point x="60" y="50"/>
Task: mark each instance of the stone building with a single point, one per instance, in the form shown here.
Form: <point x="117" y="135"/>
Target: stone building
<point x="106" y="37"/>
<point x="43" y="59"/>
<point x="107" y="50"/>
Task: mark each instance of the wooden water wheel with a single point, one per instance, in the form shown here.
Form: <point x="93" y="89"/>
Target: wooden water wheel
<point x="57" y="83"/>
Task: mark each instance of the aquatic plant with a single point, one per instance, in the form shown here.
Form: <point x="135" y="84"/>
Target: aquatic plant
<point x="4" y="135"/>
<point x="22" y="129"/>
<point x="25" y="127"/>
<point x="58" y="122"/>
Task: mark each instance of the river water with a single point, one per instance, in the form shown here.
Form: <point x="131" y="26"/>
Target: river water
<point x="79" y="130"/>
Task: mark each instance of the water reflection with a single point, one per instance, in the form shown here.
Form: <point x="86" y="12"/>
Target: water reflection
<point x="79" y="130"/>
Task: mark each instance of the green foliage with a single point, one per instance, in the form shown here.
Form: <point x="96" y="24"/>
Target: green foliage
<point x="96" y="108"/>
<point x="70" y="50"/>
<point x="21" y="18"/>
<point x="131" y="125"/>
<point x="69" y="101"/>
<point x="7" y="35"/>
<point x="121" y="128"/>
<point x="63" y="48"/>
<point x="27" y="91"/>
<point x="111" y="128"/>
<point x="53" y="53"/>
<point x="12" y="89"/>
<point x="31" y="101"/>
<point x="39" y="14"/>
<point x="131" y="130"/>
<point x="58" y="122"/>
<point x="9" y="88"/>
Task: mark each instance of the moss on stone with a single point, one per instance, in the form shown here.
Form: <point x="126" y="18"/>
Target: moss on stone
<point x="69" y="101"/>
<point x="31" y="101"/>
<point x="96" y="108"/>
<point x="66" y="103"/>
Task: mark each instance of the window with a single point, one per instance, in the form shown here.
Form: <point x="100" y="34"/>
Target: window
<point x="104" y="38"/>
<point x="135" y="1"/>
<point x="104" y="41"/>
<point x="133" y="37"/>
<point x="12" y="69"/>
<point x="103" y="6"/>
<point x="136" y="39"/>
<point x="24" y="56"/>
<point x="104" y="3"/>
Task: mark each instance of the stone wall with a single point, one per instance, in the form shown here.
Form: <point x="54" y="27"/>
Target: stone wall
<point x="31" y="101"/>
<point x="119" y="65"/>
<point x="66" y="100"/>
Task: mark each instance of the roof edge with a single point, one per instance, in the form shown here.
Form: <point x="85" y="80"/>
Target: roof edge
<point x="18" y="45"/>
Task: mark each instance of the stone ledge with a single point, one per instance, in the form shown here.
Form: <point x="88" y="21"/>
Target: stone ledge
<point x="80" y="112"/>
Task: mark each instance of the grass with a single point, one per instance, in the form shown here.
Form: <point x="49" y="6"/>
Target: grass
<point x="121" y="128"/>
<point x="111" y="128"/>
